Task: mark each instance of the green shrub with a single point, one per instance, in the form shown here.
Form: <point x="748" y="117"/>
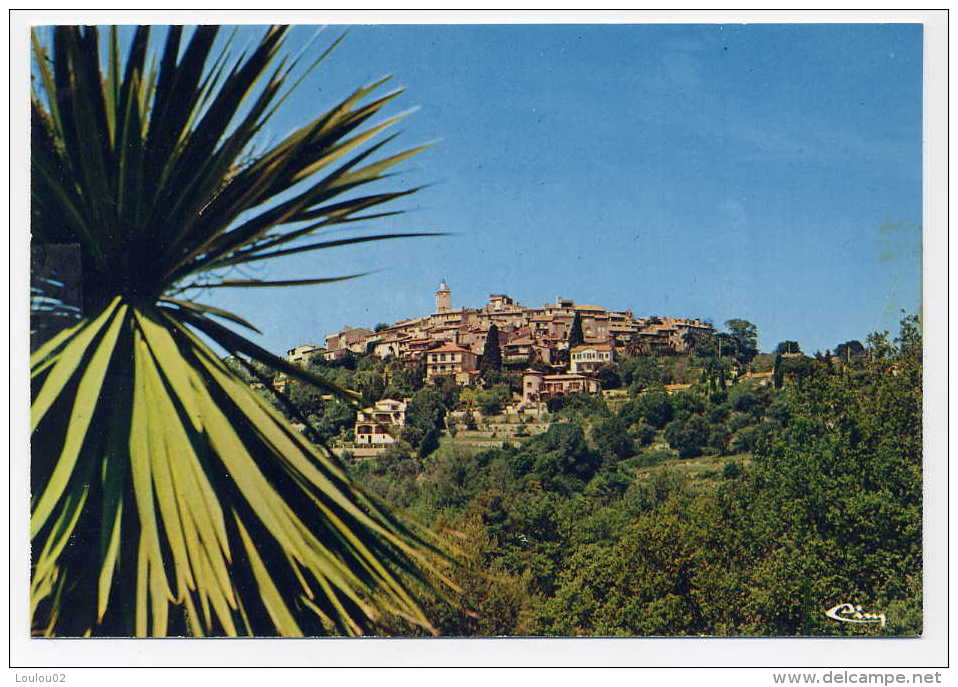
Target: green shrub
<point x="731" y="470"/>
<point x="643" y="434"/>
<point x="650" y="458"/>
<point x="656" y="408"/>
<point x="688" y="436"/>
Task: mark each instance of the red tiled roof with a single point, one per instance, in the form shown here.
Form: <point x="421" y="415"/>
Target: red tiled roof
<point x="450" y="348"/>
<point x="603" y="346"/>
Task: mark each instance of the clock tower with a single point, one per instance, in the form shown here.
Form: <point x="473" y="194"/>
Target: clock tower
<point x="443" y="298"/>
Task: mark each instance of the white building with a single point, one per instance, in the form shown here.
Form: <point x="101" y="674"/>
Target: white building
<point x="379" y="424"/>
<point x="590" y="357"/>
<point x="301" y="355"/>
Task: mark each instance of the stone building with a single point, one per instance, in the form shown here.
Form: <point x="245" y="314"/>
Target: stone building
<point x="443" y="298"/>
<point x="351" y="338"/>
<point x="451" y="360"/>
<point x="518" y="349"/>
<point x="547" y="329"/>
<point x="538" y="387"/>
<point x="301" y="355"/>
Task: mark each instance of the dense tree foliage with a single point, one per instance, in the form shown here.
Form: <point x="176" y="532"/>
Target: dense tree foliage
<point x="425" y="418"/>
<point x="850" y="350"/>
<point x="809" y="494"/>
<point x="787" y="347"/>
<point x="492" y="401"/>
<point x="609" y="376"/>
<point x="591" y="529"/>
<point x="612" y="440"/>
<point x="744" y="336"/>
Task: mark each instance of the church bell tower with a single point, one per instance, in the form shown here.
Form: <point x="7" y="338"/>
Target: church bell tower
<point x="443" y="298"/>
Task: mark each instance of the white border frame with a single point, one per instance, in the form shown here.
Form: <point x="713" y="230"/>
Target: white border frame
<point x="929" y="650"/>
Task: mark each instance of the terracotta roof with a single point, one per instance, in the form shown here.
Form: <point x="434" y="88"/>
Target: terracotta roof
<point x="305" y="348"/>
<point x="451" y="348"/>
<point x="604" y="346"/>
<point x="521" y="341"/>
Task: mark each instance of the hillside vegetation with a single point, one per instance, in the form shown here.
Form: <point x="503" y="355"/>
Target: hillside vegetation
<point x="724" y="509"/>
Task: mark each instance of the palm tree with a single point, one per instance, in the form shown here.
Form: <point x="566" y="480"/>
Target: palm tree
<point x="167" y="496"/>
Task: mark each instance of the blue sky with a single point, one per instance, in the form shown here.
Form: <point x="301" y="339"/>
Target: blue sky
<point x="764" y="172"/>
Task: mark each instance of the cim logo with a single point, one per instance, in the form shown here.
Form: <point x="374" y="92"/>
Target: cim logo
<point x="849" y="613"/>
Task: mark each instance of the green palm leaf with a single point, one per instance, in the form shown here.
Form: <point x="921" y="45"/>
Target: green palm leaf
<point x="168" y="497"/>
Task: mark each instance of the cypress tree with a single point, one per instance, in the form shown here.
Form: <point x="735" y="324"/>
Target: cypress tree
<point x="576" y="337"/>
<point x="491" y="354"/>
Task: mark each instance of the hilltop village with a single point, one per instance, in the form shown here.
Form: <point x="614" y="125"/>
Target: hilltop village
<point x="451" y="340"/>
<point x="559" y="348"/>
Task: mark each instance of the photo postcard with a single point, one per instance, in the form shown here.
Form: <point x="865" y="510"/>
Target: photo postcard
<point x="477" y="330"/>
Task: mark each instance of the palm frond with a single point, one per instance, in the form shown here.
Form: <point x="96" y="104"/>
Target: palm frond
<point x="168" y="497"/>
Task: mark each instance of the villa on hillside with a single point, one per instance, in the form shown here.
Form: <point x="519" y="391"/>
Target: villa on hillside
<point x="538" y="387"/>
<point x="590" y="357"/>
<point x="380" y="423"/>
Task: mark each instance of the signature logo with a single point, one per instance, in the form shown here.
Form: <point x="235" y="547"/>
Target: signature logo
<point x="849" y="613"/>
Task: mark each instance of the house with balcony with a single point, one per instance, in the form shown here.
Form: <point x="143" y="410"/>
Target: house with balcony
<point x="538" y="387"/>
<point x="380" y="424"/>
<point x="590" y="357"/>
